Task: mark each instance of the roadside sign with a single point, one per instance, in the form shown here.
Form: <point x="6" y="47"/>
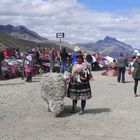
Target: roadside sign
<point x="59" y="35"/>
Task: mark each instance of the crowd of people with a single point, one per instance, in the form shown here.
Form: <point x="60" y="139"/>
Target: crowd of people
<point x="76" y="67"/>
<point x="42" y="60"/>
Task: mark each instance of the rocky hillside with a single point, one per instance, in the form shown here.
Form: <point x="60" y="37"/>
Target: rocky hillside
<point x="21" y="32"/>
<point x="9" y="41"/>
<point x="109" y="46"/>
<point x="23" y="38"/>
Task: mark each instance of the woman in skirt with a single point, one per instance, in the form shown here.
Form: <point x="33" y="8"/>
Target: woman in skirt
<point x="28" y="64"/>
<point x="79" y="86"/>
<point x="136" y="73"/>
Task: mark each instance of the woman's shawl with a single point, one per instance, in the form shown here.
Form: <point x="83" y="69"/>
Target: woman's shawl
<point x="79" y="71"/>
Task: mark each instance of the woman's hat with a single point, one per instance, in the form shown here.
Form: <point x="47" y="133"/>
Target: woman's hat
<point x="76" y="49"/>
<point x="79" y="53"/>
<point x="138" y="54"/>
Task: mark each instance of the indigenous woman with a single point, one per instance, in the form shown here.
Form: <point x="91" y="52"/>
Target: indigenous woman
<point x="79" y="86"/>
<point x="28" y="64"/>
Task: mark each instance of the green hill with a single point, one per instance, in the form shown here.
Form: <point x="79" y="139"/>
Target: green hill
<point x="9" y="41"/>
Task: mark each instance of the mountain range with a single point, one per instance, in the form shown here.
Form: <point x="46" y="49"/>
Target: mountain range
<point x="109" y="46"/>
<point x="23" y="38"/>
<point x="21" y="32"/>
<point x="9" y="41"/>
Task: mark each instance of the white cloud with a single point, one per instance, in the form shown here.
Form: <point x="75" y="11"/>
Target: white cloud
<point x="47" y="17"/>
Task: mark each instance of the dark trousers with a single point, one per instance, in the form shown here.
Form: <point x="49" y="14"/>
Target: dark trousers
<point x="135" y="86"/>
<point x="29" y="77"/>
<point x="83" y="104"/>
<point x="63" y="66"/>
<point x="121" y="74"/>
<point x="95" y="66"/>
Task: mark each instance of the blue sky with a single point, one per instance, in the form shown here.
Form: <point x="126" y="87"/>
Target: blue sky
<point x="111" y="5"/>
<point x="82" y="21"/>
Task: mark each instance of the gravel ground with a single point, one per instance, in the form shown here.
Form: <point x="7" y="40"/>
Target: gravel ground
<point x="112" y="114"/>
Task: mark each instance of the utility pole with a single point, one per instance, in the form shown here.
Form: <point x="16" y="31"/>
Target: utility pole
<point x="60" y="36"/>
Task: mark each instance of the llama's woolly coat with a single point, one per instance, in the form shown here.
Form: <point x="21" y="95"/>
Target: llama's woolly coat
<point x="53" y="91"/>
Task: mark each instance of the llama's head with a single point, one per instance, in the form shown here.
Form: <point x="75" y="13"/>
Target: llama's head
<point x="56" y="107"/>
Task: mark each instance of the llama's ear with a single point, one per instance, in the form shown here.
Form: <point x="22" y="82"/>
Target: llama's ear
<point x="50" y="105"/>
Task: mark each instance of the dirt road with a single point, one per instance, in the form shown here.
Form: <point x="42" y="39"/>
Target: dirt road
<point x="112" y="114"/>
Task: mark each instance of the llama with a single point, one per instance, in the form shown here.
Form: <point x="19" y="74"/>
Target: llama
<point x="53" y="91"/>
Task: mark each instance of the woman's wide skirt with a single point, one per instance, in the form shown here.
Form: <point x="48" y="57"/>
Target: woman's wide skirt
<point x="79" y="91"/>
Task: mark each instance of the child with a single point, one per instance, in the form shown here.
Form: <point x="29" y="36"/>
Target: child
<point x="79" y="86"/>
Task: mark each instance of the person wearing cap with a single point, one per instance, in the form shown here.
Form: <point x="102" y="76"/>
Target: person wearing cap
<point x="136" y="73"/>
<point x="79" y="86"/>
<point x="122" y="63"/>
